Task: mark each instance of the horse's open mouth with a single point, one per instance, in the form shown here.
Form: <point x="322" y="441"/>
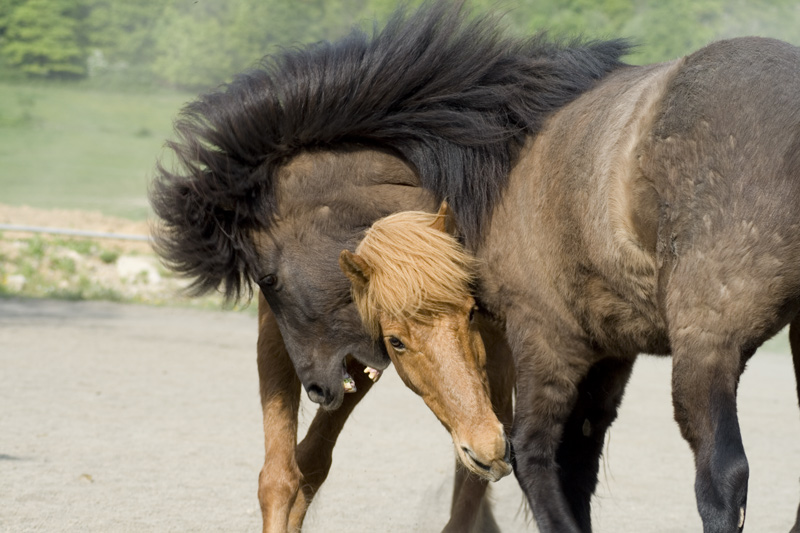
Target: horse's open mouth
<point x="349" y="383"/>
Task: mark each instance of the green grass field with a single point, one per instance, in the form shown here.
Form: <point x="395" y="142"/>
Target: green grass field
<point x="64" y="147"/>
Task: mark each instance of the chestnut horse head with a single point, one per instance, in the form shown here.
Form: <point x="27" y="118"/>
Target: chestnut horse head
<point x="411" y="284"/>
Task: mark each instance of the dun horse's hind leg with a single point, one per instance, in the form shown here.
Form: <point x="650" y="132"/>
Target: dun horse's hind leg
<point x="578" y="456"/>
<point x="470" y="509"/>
<point x="794" y="341"/>
<point x="705" y="377"/>
<point x="292" y="473"/>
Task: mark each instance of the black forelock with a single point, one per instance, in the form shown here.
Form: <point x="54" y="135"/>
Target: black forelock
<point x="454" y="96"/>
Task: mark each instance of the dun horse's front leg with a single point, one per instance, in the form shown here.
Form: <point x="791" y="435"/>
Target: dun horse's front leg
<point x="550" y="367"/>
<point x="578" y="456"/>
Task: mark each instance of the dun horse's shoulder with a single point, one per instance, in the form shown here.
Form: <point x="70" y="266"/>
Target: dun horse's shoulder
<point x="622" y="184"/>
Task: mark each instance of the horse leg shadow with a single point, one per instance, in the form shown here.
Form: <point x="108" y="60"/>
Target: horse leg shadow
<point x="578" y="456"/>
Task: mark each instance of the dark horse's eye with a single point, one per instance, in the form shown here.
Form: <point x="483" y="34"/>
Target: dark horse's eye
<point x="472" y="312"/>
<point x="268" y="281"/>
<point x="396" y="343"/>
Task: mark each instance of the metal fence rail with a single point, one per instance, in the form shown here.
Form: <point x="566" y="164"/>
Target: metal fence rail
<point x="75" y="232"/>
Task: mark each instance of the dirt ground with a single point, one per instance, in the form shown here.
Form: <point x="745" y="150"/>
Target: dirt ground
<point x="117" y="418"/>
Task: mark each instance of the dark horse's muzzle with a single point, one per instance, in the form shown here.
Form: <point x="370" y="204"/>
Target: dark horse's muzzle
<point x="324" y="386"/>
<point x="326" y="396"/>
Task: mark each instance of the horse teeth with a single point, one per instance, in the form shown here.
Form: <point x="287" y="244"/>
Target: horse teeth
<point x="373" y="374"/>
<point x="348" y="383"/>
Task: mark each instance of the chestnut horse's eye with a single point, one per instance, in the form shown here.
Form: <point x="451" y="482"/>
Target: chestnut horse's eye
<point x="268" y="281"/>
<point x="396" y="343"/>
<point x="472" y="312"/>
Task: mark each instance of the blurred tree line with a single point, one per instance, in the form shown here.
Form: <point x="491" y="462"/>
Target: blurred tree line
<point x="193" y="44"/>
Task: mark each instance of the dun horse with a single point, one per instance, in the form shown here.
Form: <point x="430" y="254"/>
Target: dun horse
<point x="412" y="286"/>
<point x="614" y="210"/>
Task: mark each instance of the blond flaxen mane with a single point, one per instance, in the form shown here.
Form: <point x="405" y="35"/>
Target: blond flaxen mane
<point x="417" y="271"/>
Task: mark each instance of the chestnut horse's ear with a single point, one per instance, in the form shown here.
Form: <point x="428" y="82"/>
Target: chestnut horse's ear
<point x="445" y="221"/>
<point x="355" y="268"/>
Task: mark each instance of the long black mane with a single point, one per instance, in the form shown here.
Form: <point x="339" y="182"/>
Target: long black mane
<point x="452" y="95"/>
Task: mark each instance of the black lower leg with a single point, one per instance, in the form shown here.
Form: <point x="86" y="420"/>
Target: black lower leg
<point x="533" y="457"/>
<point x="722" y="469"/>
<point x="794" y="340"/>
<point x="578" y="456"/>
<point x="796" y="527"/>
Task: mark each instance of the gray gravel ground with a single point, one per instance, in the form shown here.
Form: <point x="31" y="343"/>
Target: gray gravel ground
<point x="129" y="418"/>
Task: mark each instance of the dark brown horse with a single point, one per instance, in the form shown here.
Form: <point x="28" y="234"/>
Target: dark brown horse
<point x="615" y="210"/>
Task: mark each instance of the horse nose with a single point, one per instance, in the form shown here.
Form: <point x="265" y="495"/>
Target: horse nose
<point x="319" y="394"/>
<point x="471" y="454"/>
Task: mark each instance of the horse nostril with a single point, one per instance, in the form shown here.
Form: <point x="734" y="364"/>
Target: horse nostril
<point x="316" y="394"/>
<point x="474" y="459"/>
